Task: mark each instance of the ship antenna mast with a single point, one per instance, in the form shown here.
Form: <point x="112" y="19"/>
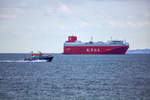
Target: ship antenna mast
<point x="91" y="38"/>
<point x="111" y="38"/>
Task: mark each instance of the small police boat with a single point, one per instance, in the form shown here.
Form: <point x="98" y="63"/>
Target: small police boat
<point x="39" y="56"/>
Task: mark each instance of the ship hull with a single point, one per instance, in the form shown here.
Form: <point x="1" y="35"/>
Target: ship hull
<point x="95" y="49"/>
<point x="47" y="58"/>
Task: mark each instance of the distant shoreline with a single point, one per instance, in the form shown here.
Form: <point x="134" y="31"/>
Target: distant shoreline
<point x="139" y="51"/>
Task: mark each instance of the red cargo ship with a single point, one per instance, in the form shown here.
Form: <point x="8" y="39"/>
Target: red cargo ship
<point x="73" y="46"/>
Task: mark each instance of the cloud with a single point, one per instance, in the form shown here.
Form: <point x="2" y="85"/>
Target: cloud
<point x="7" y="16"/>
<point x="64" y="9"/>
<point x="116" y="24"/>
<point x="24" y="4"/>
<point x="147" y="14"/>
<point x="10" y="13"/>
<point x="138" y="24"/>
<point x="129" y="24"/>
<point x="60" y="9"/>
<point x="147" y="23"/>
<point x="84" y="24"/>
<point x="130" y="17"/>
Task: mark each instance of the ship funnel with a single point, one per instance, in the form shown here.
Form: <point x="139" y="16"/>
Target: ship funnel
<point x="91" y="41"/>
<point x="72" y="39"/>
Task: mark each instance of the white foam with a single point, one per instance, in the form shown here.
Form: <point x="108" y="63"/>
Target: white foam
<point x="22" y="61"/>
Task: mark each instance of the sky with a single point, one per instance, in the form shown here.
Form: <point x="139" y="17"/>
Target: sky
<point x="44" y="25"/>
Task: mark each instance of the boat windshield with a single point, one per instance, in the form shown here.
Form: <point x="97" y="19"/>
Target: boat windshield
<point x="39" y="54"/>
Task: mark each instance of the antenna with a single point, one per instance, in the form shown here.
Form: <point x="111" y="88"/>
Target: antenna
<point x="91" y="38"/>
<point x="111" y="38"/>
<point x="125" y="40"/>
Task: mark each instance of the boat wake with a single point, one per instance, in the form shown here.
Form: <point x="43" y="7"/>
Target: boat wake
<point x="22" y="61"/>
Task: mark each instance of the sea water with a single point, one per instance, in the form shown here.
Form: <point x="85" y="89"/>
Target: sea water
<point x="75" y="77"/>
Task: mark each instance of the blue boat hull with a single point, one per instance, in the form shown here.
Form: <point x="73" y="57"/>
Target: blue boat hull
<point x="47" y="58"/>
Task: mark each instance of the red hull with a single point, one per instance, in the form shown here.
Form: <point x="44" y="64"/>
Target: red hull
<point x="95" y="49"/>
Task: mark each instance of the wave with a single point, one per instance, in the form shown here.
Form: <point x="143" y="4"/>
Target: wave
<point x="22" y="61"/>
